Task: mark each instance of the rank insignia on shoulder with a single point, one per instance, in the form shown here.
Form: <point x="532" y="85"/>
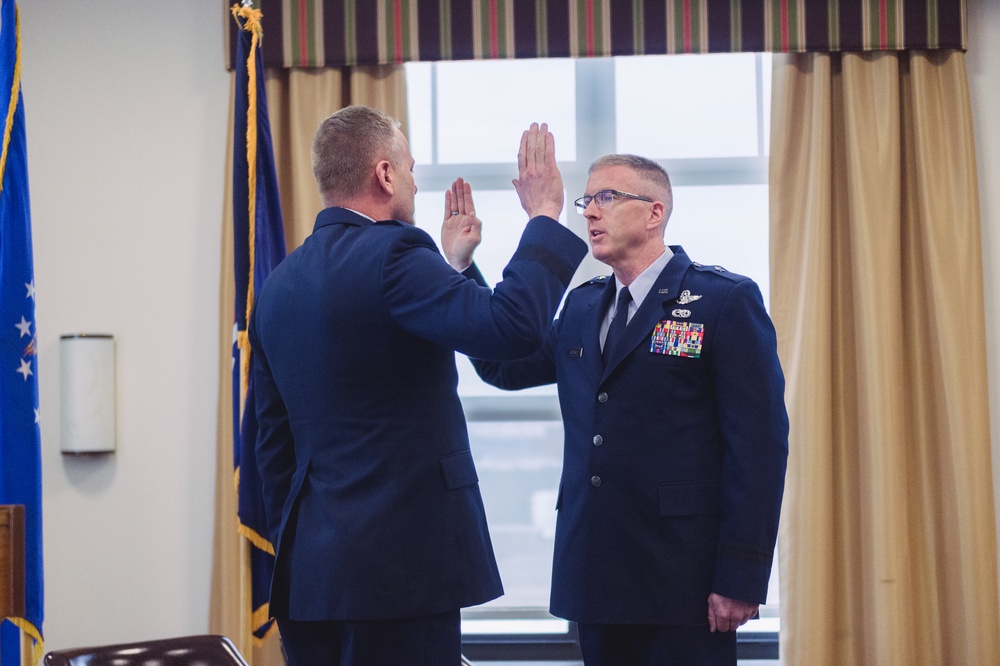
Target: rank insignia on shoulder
<point x="597" y="279"/>
<point x="677" y="338"/>
<point x="686" y="297"/>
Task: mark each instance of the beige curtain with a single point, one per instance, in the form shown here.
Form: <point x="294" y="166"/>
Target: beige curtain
<point x="298" y="100"/>
<point x="887" y="544"/>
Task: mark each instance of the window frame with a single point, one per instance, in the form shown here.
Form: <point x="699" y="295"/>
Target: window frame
<point x="595" y="136"/>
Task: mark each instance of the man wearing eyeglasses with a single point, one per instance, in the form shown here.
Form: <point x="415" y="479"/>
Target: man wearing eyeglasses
<point x="676" y="437"/>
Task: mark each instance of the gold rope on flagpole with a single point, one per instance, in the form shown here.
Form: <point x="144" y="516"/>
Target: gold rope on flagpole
<point x="252" y="24"/>
<point x="15" y="89"/>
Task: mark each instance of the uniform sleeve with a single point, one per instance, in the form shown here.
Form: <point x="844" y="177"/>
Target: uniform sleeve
<point x="537" y="369"/>
<point x="427" y="298"/>
<point x="750" y="397"/>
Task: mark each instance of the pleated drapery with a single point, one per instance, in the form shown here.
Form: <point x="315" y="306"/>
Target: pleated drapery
<point x="888" y="541"/>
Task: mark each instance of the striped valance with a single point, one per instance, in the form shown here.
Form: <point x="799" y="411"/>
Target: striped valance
<point x="318" y="33"/>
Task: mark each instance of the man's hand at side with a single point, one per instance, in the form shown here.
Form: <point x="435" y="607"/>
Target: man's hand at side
<point x="725" y="614"/>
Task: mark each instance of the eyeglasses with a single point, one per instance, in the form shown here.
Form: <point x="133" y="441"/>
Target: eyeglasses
<point x="604" y="198"/>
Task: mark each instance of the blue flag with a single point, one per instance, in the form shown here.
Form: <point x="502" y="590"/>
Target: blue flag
<point x="20" y="448"/>
<point x="259" y="238"/>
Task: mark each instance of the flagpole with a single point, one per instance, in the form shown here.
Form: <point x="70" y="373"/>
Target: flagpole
<point x="259" y="245"/>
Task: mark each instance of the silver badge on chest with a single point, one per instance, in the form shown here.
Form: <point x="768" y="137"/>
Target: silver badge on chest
<point x="686" y="297"/>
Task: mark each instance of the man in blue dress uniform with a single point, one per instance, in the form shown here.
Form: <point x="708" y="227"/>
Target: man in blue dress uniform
<point x="676" y="437"/>
<point x="371" y="494"/>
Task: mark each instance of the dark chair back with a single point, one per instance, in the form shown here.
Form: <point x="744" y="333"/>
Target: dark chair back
<point x="184" y="651"/>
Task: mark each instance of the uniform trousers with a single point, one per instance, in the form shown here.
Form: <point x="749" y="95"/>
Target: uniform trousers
<point x="435" y="640"/>
<point x="655" y="645"/>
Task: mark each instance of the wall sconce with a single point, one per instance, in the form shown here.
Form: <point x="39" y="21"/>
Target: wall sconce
<point x="87" y="369"/>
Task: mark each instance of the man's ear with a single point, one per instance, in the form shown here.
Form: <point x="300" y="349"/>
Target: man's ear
<point x="383" y="173"/>
<point x="656" y="213"/>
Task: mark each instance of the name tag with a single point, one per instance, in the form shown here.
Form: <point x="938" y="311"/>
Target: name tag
<point x="575" y="352"/>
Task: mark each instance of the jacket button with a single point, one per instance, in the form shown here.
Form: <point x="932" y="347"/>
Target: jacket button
<point x="602" y="397"/>
<point x="595" y="481"/>
<point x="598" y="440"/>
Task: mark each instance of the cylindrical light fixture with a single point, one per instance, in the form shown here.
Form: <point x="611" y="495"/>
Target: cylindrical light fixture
<point x="87" y="369"/>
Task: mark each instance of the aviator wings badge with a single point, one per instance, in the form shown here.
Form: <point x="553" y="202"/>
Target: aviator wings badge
<point x="686" y="297"/>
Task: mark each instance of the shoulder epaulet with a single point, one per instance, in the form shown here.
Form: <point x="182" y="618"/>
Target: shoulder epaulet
<point x="598" y="279"/>
<point x="715" y="269"/>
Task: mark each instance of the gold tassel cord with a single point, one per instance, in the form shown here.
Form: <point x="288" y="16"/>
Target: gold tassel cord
<point x="15" y="89"/>
<point x="252" y="24"/>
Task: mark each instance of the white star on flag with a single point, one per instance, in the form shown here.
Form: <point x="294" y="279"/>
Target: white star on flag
<point x="25" y="369"/>
<point x="24" y="327"/>
<point x="31" y="289"/>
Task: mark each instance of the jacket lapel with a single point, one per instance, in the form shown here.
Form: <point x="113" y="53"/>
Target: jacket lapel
<point x="591" y="325"/>
<point x="664" y="293"/>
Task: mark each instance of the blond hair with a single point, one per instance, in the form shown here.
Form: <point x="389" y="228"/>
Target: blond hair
<point x="346" y="146"/>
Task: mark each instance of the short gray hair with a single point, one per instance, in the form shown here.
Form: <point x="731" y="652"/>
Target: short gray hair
<point x="347" y="145"/>
<point x="647" y="169"/>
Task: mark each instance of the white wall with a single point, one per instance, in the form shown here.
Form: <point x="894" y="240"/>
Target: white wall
<point x="984" y="82"/>
<point x="126" y="105"/>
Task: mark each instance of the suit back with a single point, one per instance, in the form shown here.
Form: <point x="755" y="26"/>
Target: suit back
<point x="370" y="488"/>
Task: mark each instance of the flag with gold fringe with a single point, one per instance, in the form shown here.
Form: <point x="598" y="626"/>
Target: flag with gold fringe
<point x="259" y="242"/>
<point x="20" y="447"/>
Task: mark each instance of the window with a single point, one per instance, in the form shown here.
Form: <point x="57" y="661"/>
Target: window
<point x="703" y="117"/>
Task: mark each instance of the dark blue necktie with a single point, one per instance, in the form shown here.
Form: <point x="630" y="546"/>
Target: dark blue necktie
<point x="618" y="323"/>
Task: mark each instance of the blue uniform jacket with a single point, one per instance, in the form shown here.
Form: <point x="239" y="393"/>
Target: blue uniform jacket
<point x="370" y="491"/>
<point x="675" y="450"/>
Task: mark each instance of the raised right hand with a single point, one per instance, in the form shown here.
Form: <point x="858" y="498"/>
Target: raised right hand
<point x="539" y="184"/>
